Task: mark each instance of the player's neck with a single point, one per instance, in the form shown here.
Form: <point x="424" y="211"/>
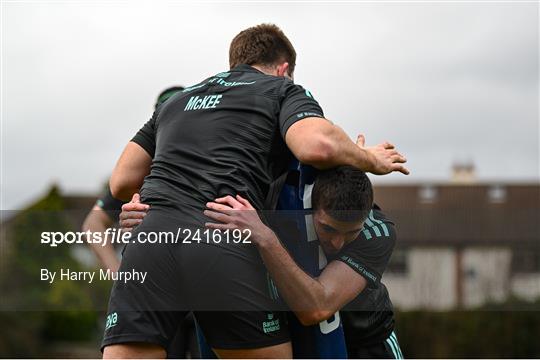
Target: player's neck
<point x="266" y="69"/>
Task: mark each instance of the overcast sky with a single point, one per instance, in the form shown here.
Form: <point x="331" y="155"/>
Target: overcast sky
<point x="444" y="81"/>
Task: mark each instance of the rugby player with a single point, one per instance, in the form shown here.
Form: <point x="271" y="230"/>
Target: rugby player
<point x="358" y="241"/>
<point x="103" y="215"/>
<point x="233" y="133"/>
<point x="107" y="208"/>
<point x="341" y="202"/>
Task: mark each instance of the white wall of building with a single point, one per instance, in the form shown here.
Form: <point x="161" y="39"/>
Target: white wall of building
<point x="486" y="275"/>
<point x="429" y="282"/>
<point x="526" y="286"/>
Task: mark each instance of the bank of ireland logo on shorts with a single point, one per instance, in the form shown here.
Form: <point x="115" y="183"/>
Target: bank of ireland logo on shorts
<point x="271" y="325"/>
<point x="112" y="320"/>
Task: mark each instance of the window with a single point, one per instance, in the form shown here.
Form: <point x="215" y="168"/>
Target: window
<point x="427" y="194"/>
<point x="526" y="260"/>
<point x="496" y="194"/>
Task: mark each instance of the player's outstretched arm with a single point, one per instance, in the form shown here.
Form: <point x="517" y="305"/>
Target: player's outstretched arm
<point x="313" y="300"/>
<point x="129" y="172"/>
<point x="319" y="143"/>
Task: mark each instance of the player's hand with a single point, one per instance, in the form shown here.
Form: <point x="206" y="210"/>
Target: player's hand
<point x="132" y="213"/>
<point x="386" y="158"/>
<point x="237" y="213"/>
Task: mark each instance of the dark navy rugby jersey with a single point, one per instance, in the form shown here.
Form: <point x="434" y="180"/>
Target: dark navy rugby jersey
<point x="223" y="136"/>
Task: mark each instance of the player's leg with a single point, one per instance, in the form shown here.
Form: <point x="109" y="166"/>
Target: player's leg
<point x="280" y="351"/>
<point x="143" y="316"/>
<point x="134" y="351"/>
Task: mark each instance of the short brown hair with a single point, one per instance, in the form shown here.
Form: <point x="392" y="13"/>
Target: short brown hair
<point x="263" y="44"/>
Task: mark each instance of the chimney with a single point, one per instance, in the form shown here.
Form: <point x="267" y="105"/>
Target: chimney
<point x="463" y="172"/>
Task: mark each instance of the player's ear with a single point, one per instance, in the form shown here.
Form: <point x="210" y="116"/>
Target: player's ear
<point x="283" y="70"/>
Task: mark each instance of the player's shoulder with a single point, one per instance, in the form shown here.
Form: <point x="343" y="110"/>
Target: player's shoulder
<point x="289" y="86"/>
<point x="377" y="226"/>
<point x="377" y="214"/>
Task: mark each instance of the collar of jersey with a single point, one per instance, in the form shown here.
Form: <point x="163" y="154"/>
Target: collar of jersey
<point x="246" y="68"/>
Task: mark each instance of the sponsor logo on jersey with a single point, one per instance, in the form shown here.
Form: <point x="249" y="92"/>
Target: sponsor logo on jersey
<point x="271" y="325"/>
<point x="222" y="82"/>
<point x="362" y="270"/>
<point x="308" y="114"/>
<point x="112" y="320"/>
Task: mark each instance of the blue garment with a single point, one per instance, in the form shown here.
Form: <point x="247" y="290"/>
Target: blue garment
<point x="327" y="339"/>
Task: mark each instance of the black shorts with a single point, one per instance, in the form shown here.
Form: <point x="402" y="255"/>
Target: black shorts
<point x="387" y="349"/>
<point x="227" y="287"/>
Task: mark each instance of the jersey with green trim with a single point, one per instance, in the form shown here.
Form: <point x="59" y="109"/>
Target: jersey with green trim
<point x="369" y="254"/>
<point x="223" y="136"/>
<point x="369" y="316"/>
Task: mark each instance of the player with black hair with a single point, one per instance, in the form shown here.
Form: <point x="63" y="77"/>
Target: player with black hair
<point x="356" y="238"/>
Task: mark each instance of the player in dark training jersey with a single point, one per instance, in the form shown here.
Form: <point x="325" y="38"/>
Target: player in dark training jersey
<point x="104" y="214"/>
<point x="356" y="240"/>
<point x="234" y="132"/>
<point x="107" y="208"/>
<point x="371" y="312"/>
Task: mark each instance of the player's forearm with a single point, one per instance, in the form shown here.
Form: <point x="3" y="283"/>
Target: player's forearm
<point x="305" y="295"/>
<point x="106" y="256"/>
<point x="94" y="222"/>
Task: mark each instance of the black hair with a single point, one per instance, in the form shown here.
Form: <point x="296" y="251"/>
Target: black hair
<point x="344" y="193"/>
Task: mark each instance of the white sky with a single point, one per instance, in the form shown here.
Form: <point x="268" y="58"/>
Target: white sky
<point x="442" y="80"/>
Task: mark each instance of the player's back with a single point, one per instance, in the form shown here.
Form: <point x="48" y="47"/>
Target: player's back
<point x="219" y="137"/>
